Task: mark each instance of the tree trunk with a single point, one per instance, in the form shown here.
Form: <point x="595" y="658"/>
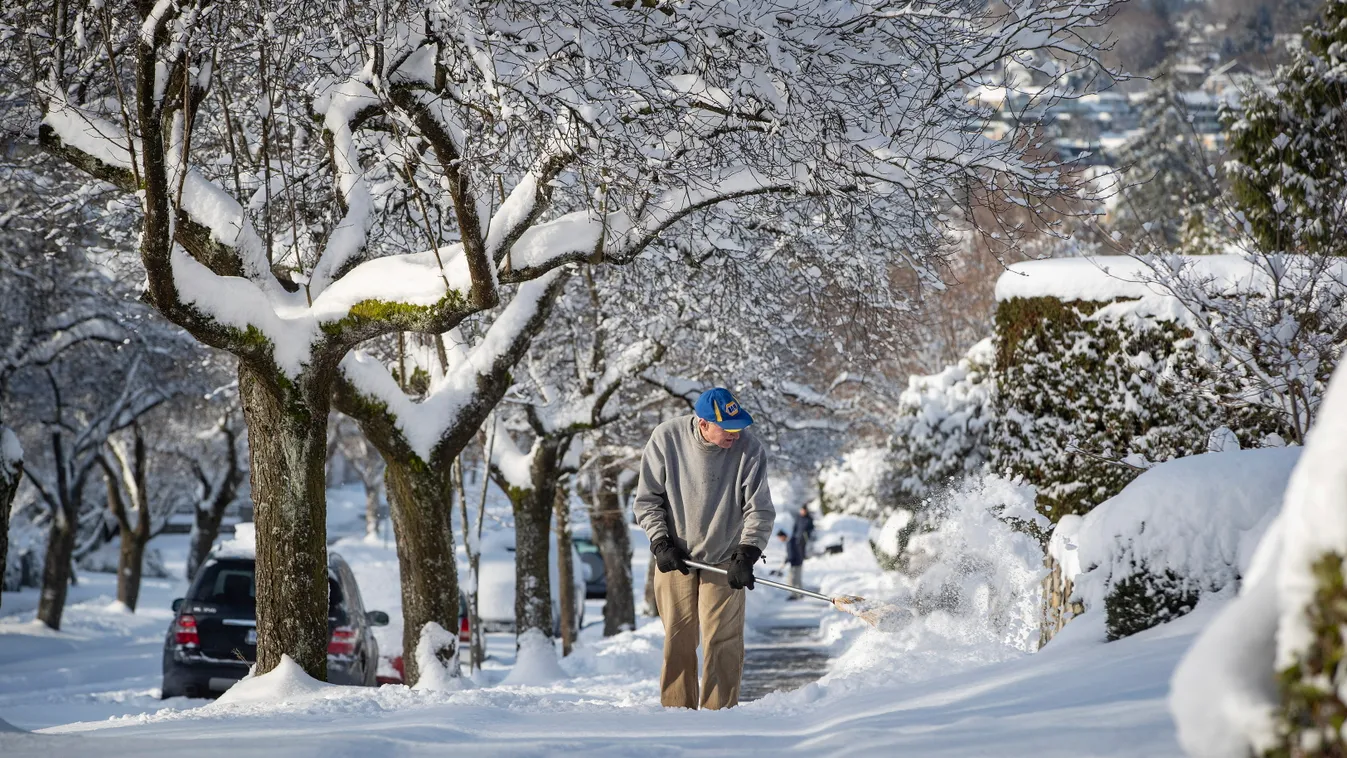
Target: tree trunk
<point x="57" y="570"/>
<point x="609" y="522"/>
<point x="10" y="472"/>
<point x="565" y="571"/>
<point x="419" y="501"/>
<point x="372" y="510"/>
<point x="532" y="521"/>
<point x="651" y="608"/>
<point x="287" y="433"/>
<point x="130" y="561"/>
<point x="205" y="528"/>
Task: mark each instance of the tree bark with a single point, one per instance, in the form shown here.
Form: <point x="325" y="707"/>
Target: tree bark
<point x="419" y="501"/>
<point x="565" y="571"/>
<point x="532" y="521"/>
<point x="205" y="528"/>
<point x="130" y="563"/>
<point x="57" y="570"/>
<point x="209" y="512"/>
<point x="609" y="522"/>
<point x="287" y="425"/>
<point x="371" y="510"/>
<point x="10" y="472"/>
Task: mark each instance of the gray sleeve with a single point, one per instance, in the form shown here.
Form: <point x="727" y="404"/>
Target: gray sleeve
<point x="759" y="513"/>
<point x="649" y="505"/>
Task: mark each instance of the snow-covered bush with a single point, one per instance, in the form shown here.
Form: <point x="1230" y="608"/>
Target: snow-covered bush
<point x="1095" y="382"/>
<point x="860" y="484"/>
<point x="1183" y="528"/>
<point x="943" y="426"/>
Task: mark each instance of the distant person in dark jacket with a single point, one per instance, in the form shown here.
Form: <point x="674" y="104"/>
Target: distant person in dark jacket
<point x="795" y="559"/>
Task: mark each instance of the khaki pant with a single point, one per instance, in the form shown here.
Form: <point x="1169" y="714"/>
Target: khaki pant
<point x="701" y="604"/>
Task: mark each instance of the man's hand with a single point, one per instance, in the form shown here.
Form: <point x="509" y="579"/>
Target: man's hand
<point x="669" y="556"/>
<point x="741" y="566"/>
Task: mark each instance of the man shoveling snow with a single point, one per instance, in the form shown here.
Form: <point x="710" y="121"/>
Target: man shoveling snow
<point x="703" y="496"/>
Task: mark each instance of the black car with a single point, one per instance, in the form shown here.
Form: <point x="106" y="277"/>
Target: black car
<point x="213" y="639"/>
<point x="596" y="584"/>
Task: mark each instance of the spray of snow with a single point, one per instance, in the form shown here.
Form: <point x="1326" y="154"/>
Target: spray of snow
<point x="435" y="675"/>
<point x="975" y="587"/>
<point x="536" y="665"/>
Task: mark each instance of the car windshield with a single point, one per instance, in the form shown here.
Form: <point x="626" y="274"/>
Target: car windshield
<point x="234" y="584"/>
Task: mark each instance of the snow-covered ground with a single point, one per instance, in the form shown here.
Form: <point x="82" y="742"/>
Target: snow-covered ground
<point x="943" y="685"/>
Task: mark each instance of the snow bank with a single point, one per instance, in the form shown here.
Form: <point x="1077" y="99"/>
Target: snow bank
<point x="285" y="683"/>
<point x="242" y="545"/>
<point x="1200" y="517"/>
<point x="1224" y="690"/>
<point x="434" y="675"/>
<point x="536" y="664"/>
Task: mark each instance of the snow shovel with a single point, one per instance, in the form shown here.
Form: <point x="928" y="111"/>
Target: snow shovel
<point x="881" y="617"/>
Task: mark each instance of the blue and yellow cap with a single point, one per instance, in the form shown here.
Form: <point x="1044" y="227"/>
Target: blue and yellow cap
<point x="720" y="408"/>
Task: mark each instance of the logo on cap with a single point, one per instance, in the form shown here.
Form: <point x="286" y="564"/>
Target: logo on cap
<point x="732" y="408"/>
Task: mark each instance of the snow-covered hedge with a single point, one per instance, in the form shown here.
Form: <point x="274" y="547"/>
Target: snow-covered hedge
<point x="1095" y="381"/>
<point x="1181" y="529"/>
<point x="944" y="423"/>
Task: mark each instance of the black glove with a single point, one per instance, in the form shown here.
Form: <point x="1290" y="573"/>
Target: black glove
<point x="669" y="556"/>
<point x="741" y="566"/>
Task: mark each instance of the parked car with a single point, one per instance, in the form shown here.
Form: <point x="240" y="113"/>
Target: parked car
<point x="213" y="638"/>
<point x="495" y="585"/>
<point x="596" y="582"/>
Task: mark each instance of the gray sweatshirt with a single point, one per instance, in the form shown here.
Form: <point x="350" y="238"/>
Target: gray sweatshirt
<point x="707" y="499"/>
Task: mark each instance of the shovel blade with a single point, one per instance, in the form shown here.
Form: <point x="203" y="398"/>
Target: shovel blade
<point x="885" y="618"/>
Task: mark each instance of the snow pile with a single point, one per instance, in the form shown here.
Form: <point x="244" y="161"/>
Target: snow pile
<point x="1199" y="517"/>
<point x="433" y="674"/>
<point x="536" y="664"/>
<point x="285" y="683"/>
<point x="242" y="545"/>
<point x="637" y="654"/>
<point x="1224" y="691"/>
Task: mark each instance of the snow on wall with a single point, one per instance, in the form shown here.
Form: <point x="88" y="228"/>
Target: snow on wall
<point x="1110" y="277"/>
<point x="1200" y="517"/>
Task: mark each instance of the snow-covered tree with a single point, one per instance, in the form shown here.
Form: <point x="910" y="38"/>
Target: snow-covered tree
<point x="315" y="176"/>
<point x="219" y="471"/>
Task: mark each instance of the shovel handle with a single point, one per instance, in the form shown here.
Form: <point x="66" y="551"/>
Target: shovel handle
<point x="788" y="588"/>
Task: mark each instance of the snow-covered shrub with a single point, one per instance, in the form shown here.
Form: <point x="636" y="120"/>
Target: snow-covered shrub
<point x="943" y="426"/>
<point x="1096" y="381"/>
<point x="1183" y="528"/>
<point x="860" y="484"/>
